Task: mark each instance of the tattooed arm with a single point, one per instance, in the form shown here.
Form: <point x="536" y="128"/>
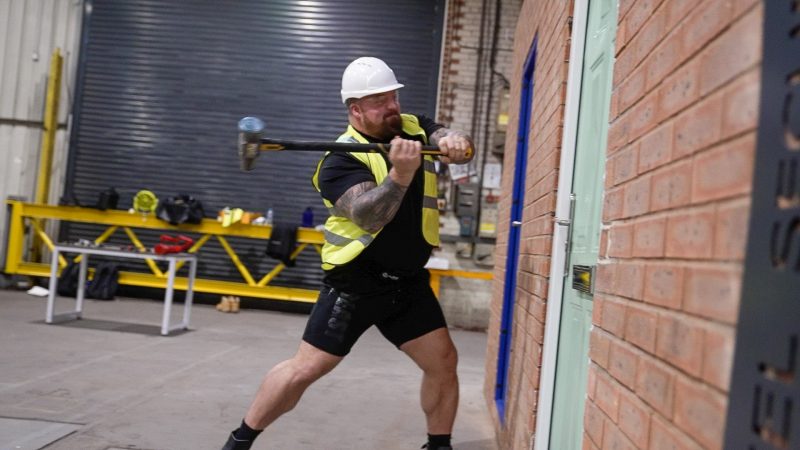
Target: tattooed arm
<point x="371" y="206"/>
<point x="454" y="145"/>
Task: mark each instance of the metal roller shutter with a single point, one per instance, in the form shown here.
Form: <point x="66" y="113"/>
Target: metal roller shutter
<point x="162" y="85"/>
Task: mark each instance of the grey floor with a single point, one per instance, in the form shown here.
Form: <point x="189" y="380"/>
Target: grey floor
<point x="109" y="381"/>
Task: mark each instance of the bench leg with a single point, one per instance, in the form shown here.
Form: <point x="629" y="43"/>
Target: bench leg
<point x="168" y="298"/>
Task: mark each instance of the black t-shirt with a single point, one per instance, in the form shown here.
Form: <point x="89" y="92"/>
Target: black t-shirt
<point x="400" y="247"/>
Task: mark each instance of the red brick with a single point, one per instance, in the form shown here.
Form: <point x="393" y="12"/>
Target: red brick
<point x="680" y="343"/>
<point x="634" y="419"/>
<point x="672" y="187"/>
<point x="644" y="115"/>
<point x="648" y="238"/>
<point x="699" y="127"/>
<point x="638" y="15"/>
<point x="607" y="395"/>
<point x="613" y="438"/>
<point x="700" y="412"/>
<point x="738" y="49"/>
<point x="724" y="171"/>
<point x="620" y="241"/>
<point x="613" y="316"/>
<point x="622" y="363"/>
<point x="597" y="310"/>
<point x="663" y="61"/>
<point x="640" y="328"/>
<point x="665" y="436"/>
<point x="718" y="356"/>
<point x="619" y="131"/>
<point x="593" y="422"/>
<point x="740" y="105"/>
<point x="632" y="89"/>
<point x="704" y="23"/>
<point x="677" y="10"/>
<point x="713" y="293"/>
<point x="603" y="253"/>
<point x="613" y="204"/>
<point x="739" y="6"/>
<point x="606" y="275"/>
<point x="690" y="235"/>
<point x="624" y="164"/>
<point x="637" y="197"/>
<point x="655" y="384"/>
<point x="663" y="285"/>
<point x="629" y="280"/>
<point x="650" y="35"/>
<point x="730" y="231"/>
<point x="679" y="90"/>
<point x="599" y="346"/>
<point x="655" y="148"/>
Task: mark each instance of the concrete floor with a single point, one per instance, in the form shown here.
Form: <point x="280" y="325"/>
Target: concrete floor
<point x="110" y="381"/>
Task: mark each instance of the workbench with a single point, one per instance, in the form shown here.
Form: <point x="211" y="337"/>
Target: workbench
<point x="87" y="250"/>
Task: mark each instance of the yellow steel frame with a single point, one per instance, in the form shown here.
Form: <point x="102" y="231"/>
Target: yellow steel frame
<point x="21" y="212"/>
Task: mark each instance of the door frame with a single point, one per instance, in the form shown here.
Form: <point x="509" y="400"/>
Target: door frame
<point x="514" y="231"/>
<point x="555" y="289"/>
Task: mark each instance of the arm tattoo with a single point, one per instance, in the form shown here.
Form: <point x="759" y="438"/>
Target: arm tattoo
<point x="442" y="132"/>
<point x="371" y="206"/>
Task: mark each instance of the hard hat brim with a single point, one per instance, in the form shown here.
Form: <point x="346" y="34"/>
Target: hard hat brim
<point x="361" y="94"/>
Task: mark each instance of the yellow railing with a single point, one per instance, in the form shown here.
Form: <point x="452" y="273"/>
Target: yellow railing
<point x="21" y="213"/>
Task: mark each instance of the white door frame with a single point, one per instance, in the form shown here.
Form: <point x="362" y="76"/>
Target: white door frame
<point x="560" y="234"/>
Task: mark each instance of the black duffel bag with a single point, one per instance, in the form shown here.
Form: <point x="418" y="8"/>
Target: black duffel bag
<point x="180" y="209"/>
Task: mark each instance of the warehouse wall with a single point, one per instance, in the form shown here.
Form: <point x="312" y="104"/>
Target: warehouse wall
<point x="678" y="180"/>
<point x="476" y="67"/>
<point x="30" y="30"/>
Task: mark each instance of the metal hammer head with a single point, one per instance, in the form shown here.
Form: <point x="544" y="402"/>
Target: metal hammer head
<point x="250" y="131"/>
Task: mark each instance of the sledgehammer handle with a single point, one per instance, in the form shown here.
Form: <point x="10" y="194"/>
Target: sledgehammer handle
<point x="278" y="145"/>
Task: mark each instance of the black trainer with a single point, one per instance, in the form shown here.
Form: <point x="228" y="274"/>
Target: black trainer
<point x="234" y="444"/>
<point x="435" y="448"/>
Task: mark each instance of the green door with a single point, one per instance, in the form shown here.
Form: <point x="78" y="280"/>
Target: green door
<point x="587" y="190"/>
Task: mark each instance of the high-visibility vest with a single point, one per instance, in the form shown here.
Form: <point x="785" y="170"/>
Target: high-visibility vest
<point x="344" y="240"/>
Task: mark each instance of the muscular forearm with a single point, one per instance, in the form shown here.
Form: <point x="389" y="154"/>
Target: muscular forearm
<point x="371" y="206"/>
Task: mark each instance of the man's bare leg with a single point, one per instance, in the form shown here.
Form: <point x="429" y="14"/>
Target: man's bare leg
<point x="436" y="355"/>
<point x="285" y="383"/>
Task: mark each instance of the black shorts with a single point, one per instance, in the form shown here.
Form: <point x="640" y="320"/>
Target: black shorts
<point x="402" y="309"/>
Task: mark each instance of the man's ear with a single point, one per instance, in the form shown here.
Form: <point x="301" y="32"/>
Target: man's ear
<point x="355" y="111"/>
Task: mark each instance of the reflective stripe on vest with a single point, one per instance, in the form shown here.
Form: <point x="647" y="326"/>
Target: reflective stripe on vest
<point x="344" y="240"/>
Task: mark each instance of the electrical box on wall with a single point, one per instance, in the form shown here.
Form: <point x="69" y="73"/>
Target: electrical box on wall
<point x="467" y="198"/>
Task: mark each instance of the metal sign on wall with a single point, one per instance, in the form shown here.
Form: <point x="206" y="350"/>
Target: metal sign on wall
<point x="764" y="407"/>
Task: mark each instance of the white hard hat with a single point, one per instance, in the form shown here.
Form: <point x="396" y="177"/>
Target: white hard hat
<point x="367" y="76"/>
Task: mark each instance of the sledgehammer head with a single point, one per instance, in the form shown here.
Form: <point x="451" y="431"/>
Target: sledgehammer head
<point x="250" y="132"/>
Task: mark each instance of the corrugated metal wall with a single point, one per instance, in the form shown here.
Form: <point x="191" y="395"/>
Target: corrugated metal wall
<point x="30" y="30"/>
<point x="163" y="84"/>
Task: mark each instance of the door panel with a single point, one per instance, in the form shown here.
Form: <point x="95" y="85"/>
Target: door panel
<point x="587" y="186"/>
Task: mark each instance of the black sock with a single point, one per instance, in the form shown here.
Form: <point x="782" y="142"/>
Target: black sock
<point x="245" y="433"/>
<point x="438" y="440"/>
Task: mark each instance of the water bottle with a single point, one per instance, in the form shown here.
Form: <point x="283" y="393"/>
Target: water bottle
<point x="270" y="216"/>
<point x="308" y="217"/>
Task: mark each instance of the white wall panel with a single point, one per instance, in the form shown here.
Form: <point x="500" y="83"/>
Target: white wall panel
<point x="30" y="30"/>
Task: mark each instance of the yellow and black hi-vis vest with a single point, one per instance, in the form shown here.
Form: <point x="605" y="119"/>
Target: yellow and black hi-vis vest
<point x="344" y="240"/>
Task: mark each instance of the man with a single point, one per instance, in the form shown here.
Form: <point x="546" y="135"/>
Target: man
<point x="384" y="223"/>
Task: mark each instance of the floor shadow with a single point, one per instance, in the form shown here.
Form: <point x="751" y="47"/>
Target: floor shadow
<point x="110" y="325"/>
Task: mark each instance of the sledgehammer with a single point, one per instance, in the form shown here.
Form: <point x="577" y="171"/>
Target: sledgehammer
<point x="252" y="142"/>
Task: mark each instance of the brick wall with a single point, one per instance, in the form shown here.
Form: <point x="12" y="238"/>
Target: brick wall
<point x="678" y="178"/>
<point x="550" y="20"/>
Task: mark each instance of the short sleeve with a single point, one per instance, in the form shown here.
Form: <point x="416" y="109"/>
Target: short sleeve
<point x="340" y="172"/>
